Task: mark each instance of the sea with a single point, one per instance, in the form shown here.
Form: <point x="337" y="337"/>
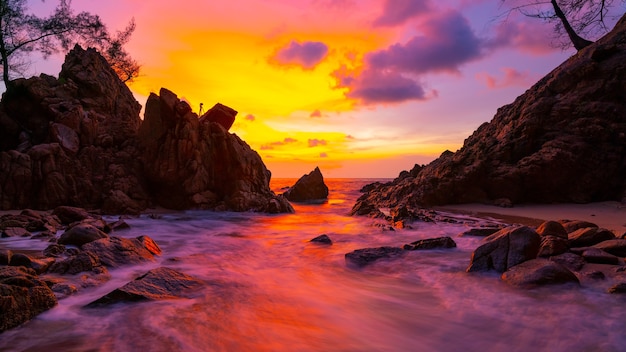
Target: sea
<point x="268" y="288"/>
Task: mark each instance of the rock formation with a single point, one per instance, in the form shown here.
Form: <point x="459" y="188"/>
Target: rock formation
<point x="310" y="187"/>
<point x="563" y="140"/>
<point x="78" y="140"/>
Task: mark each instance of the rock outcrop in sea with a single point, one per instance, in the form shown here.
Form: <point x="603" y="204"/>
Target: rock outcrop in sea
<point x="78" y="140"/>
<point x="308" y="188"/>
<point x="563" y="140"/>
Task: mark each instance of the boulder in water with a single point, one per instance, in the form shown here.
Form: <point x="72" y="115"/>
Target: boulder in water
<point x="310" y="187"/>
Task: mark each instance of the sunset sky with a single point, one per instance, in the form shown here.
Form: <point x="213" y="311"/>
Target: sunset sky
<point x="360" y="88"/>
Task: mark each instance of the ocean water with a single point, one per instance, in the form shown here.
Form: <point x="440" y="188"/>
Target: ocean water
<point x="270" y="289"/>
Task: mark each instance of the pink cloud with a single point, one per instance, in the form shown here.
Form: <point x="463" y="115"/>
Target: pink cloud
<point x="529" y="37"/>
<point x="306" y="54"/>
<point x="273" y="145"/>
<point x="317" y="142"/>
<point x="323" y="155"/>
<point x="250" y="117"/>
<point x="511" y="78"/>
<point x="316" y="113"/>
<point x="397" y="12"/>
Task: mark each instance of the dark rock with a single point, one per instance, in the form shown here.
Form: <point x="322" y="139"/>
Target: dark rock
<point x="538" y="272"/>
<point x="119" y="225"/>
<point x="22" y="296"/>
<point x="78" y="263"/>
<point x="114" y="252"/>
<point x="80" y="235"/>
<point x="68" y="215"/>
<point x="20" y="259"/>
<point x="63" y="289"/>
<point x="117" y="202"/>
<point x="5" y="256"/>
<point x="552" y="228"/>
<point x="220" y="114"/>
<point x="309" y="187"/>
<point x="552" y="245"/>
<point x="571" y="261"/>
<point x="481" y="231"/>
<point x="563" y="140"/>
<point x="431" y="243"/>
<point x="505" y="248"/>
<point x="15" y="232"/>
<point x="596" y="275"/>
<point x="616" y="247"/>
<point x="366" y="256"/>
<point x="157" y="284"/>
<point x="618" y="288"/>
<point x="573" y="225"/>
<point x="589" y="236"/>
<point x="323" y="239"/>
<point x="595" y="255"/>
<point x="54" y="250"/>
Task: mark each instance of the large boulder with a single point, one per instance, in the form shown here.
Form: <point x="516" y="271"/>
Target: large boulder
<point x="310" y="187"/>
<point x="81" y="234"/>
<point x="157" y="284"/>
<point x="192" y="163"/>
<point x="563" y="140"/>
<point x="506" y="248"/>
<point x="22" y="296"/>
<point x="538" y="272"/>
<point x="114" y="252"/>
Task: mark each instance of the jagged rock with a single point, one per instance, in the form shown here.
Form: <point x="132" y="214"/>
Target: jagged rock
<point x="323" y="239"/>
<point x="552" y="245"/>
<point x="505" y="249"/>
<point x="589" y="236"/>
<point x="22" y="296"/>
<point x="366" y="256"/>
<point x="538" y="272"/>
<point x="431" y="243"/>
<point x="616" y="247"/>
<point x="563" y="140"/>
<point x="221" y="114"/>
<point x="309" y="187"/>
<point x="114" y="251"/>
<point x="117" y="202"/>
<point x="80" y="235"/>
<point x="54" y="250"/>
<point x="78" y="263"/>
<point x="157" y="284"/>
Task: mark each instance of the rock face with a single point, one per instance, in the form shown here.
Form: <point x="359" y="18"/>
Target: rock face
<point x="78" y="141"/>
<point x="22" y="296"/>
<point x="156" y="284"/>
<point x="563" y="140"/>
<point x="505" y="249"/>
<point x="309" y="187"/>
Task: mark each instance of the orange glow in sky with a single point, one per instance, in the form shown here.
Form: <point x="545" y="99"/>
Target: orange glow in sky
<point x="360" y="88"/>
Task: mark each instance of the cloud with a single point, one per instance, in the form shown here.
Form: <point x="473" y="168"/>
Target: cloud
<point x="511" y="78"/>
<point x="306" y="54"/>
<point x="392" y="75"/>
<point x="272" y="145"/>
<point x="397" y="12"/>
<point x="250" y="117"/>
<point x="316" y="113"/>
<point x="317" y="142"/>
<point x="323" y="155"/>
<point x="525" y="36"/>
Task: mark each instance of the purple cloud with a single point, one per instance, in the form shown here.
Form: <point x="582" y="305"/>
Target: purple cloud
<point x="397" y="12"/>
<point x="373" y="87"/>
<point x="446" y="43"/>
<point x="512" y="77"/>
<point x="317" y="142"/>
<point x="306" y="54"/>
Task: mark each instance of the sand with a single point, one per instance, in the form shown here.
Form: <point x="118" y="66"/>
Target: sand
<point x="609" y="215"/>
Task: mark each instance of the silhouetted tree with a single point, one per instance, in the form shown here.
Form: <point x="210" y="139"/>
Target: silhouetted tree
<point x="22" y="33"/>
<point x="578" y="19"/>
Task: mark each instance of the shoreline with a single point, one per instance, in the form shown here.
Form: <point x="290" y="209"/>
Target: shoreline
<point x="610" y="215"/>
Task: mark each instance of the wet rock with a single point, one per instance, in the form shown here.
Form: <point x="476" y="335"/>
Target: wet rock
<point x="63" y="289"/>
<point x="80" y="235"/>
<point x="15" y="232"/>
<point x="595" y="255"/>
<point x="505" y="249"/>
<point x="310" y="187"/>
<point x="573" y="225"/>
<point x="78" y="263"/>
<point x="616" y="247"/>
<point x="5" y="256"/>
<point x="596" y="275"/>
<point x="54" y="250"/>
<point x="431" y="243"/>
<point x="481" y="231"/>
<point x="552" y="228"/>
<point x="366" y="256"/>
<point x="119" y="225"/>
<point x="20" y="259"/>
<point x="157" y="284"/>
<point x="618" y="288"/>
<point x="323" y="239"/>
<point x="570" y="260"/>
<point x="589" y="236"/>
<point x="22" y="296"/>
<point x="538" y="272"/>
<point x="552" y="245"/>
<point x="114" y="251"/>
<point x="68" y="214"/>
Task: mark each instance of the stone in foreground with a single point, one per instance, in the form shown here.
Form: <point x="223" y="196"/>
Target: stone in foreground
<point x="538" y="272"/>
<point x="157" y="284"/>
<point x="431" y="243"/>
<point x="505" y="249"/>
<point x="366" y="256"/>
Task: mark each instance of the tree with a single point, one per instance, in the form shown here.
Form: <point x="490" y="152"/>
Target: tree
<point x="22" y="33"/>
<point x="574" y="19"/>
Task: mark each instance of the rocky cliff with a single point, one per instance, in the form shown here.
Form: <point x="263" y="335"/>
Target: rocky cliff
<point x="78" y="140"/>
<point x="563" y="140"/>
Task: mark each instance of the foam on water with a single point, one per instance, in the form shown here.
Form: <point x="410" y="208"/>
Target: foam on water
<point x="269" y="289"/>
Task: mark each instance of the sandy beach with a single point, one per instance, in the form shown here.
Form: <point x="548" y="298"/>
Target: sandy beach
<point x="609" y="215"/>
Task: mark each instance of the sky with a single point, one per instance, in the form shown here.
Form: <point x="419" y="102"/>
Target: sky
<point x="360" y="88"/>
